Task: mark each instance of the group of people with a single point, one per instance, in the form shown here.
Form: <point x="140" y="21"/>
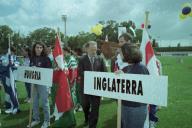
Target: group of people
<point x="126" y="60"/>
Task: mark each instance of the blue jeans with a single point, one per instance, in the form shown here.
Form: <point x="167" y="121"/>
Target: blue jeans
<point x="133" y="117"/>
<point x="40" y="92"/>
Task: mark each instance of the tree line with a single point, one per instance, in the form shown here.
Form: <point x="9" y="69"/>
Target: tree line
<point x="47" y="35"/>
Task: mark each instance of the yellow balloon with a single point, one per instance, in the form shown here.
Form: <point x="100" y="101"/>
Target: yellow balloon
<point x="99" y="26"/>
<point x="97" y="30"/>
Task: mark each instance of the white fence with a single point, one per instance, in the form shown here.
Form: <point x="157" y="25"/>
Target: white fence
<point x="188" y="53"/>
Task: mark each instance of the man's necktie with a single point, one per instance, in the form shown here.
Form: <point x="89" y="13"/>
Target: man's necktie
<point x="92" y="60"/>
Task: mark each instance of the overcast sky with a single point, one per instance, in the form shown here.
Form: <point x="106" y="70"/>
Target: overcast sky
<point x="27" y="15"/>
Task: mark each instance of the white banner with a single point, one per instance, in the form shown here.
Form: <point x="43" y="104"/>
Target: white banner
<point x="121" y="30"/>
<point x="35" y="75"/>
<point x="130" y="87"/>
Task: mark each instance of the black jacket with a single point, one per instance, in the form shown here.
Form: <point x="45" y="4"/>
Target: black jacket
<point x="40" y="61"/>
<point x="85" y="65"/>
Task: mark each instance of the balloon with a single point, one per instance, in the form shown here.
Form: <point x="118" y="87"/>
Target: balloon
<point x="186" y="10"/>
<point x="97" y="30"/>
<point x="99" y="26"/>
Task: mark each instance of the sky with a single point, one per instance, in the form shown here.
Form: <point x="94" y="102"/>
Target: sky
<point x="24" y="16"/>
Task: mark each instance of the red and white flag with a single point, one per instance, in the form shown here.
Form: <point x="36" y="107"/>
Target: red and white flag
<point x="58" y="53"/>
<point x="63" y="100"/>
<point x="149" y="58"/>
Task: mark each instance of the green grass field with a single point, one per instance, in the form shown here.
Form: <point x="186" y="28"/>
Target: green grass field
<point x="178" y="113"/>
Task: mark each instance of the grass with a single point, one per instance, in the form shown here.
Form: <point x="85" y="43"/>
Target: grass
<point x="178" y="113"/>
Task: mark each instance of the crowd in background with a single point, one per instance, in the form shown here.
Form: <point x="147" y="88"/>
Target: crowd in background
<point x="87" y="58"/>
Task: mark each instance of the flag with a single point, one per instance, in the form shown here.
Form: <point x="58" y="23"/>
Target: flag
<point x="63" y="101"/>
<point x="8" y="65"/>
<point x="66" y="121"/>
<point x="3" y="77"/>
<point x="72" y="67"/>
<point x="8" y="81"/>
<point x="72" y="77"/>
<point x="150" y="60"/>
<point x="58" y="53"/>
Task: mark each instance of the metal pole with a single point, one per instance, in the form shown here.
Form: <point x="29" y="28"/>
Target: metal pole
<point x="65" y="28"/>
<point x="146" y="19"/>
<point x="9" y="45"/>
<point x="64" y="18"/>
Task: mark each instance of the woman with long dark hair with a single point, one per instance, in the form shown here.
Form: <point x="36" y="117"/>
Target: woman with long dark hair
<point x="40" y="59"/>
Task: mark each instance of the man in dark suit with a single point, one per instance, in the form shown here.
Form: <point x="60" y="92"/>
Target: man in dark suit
<point x="90" y="103"/>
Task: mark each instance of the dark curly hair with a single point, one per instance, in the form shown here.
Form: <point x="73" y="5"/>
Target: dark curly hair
<point x="44" y="52"/>
<point x="131" y="53"/>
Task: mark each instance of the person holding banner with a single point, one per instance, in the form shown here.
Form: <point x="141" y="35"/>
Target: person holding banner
<point x="90" y="103"/>
<point x="40" y="59"/>
<point x="133" y="113"/>
<point x="27" y="55"/>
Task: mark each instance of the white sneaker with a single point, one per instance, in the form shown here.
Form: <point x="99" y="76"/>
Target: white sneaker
<point x="33" y="123"/>
<point x="29" y="100"/>
<point x="152" y="124"/>
<point x="14" y="111"/>
<point x="80" y="109"/>
<point x="8" y="111"/>
<point x="51" y="116"/>
<point x="46" y="124"/>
